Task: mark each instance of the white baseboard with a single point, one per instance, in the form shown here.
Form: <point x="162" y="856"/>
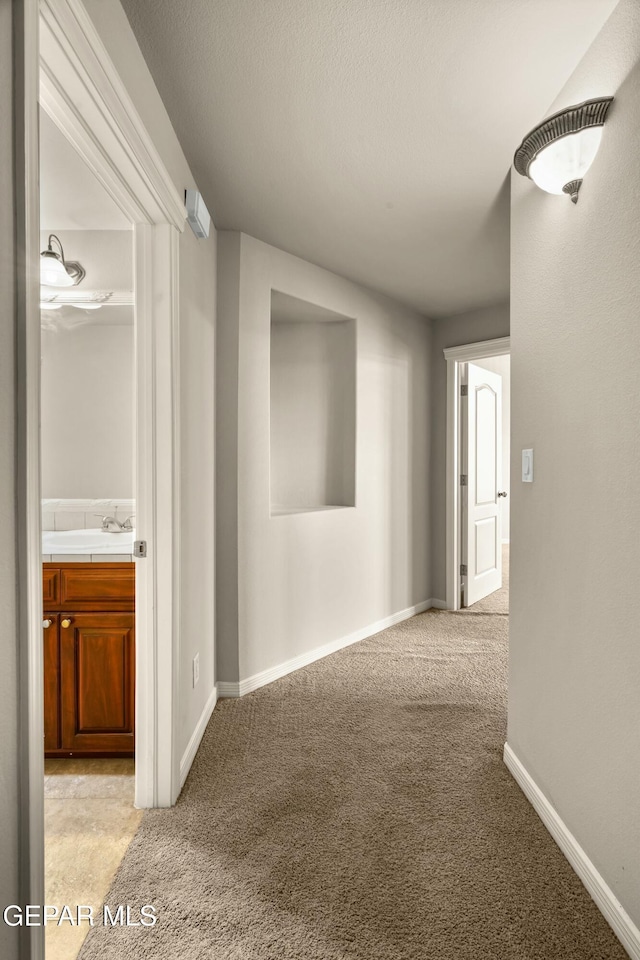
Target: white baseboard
<point x="192" y="747"/>
<point x="239" y="689"/>
<point x="438" y="604"/>
<point x="614" y="913"/>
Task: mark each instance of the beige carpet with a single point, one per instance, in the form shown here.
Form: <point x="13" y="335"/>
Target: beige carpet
<point x="360" y="810"/>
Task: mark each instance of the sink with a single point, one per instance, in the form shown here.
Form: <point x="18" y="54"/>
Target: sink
<point x="87" y="541"/>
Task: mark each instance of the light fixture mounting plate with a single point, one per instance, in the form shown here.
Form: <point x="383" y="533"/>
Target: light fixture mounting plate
<point x="75" y="270"/>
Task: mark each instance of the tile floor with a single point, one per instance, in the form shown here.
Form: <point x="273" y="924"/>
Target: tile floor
<point x="90" y="821"/>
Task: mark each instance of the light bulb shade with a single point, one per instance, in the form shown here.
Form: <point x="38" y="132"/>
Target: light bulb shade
<point x="557" y="153"/>
<point x="44" y="305"/>
<point x="52" y="271"/>
<point x="565" y="160"/>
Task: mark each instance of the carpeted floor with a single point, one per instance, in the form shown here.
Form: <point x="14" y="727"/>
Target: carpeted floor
<point x="359" y="810"/>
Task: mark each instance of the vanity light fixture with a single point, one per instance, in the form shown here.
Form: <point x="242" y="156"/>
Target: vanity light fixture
<point x="55" y="271"/>
<point x="85" y="306"/>
<point x="559" y="151"/>
<point x="47" y="305"/>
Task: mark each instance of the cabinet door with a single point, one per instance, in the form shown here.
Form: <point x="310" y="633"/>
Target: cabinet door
<point x="97" y="662"/>
<point x="51" y="664"/>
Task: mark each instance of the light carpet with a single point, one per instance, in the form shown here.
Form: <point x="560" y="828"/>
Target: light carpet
<point x="359" y="809"/>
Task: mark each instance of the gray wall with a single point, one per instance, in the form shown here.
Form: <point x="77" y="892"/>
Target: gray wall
<point x="574" y="704"/>
<point x="87" y="400"/>
<point x="307" y="579"/>
<point x="9" y="823"/>
<point x="313" y="414"/>
<point x="87" y="389"/>
<point x="489" y="323"/>
<point x="227" y="409"/>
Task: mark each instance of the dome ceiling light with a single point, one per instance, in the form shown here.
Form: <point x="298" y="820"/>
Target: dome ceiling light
<point x="55" y="271"/>
<point x="559" y="151"/>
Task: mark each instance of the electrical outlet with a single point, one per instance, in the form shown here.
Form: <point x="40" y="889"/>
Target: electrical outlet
<point x="196" y="669"/>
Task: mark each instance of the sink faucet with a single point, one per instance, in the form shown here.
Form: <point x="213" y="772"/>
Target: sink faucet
<point x="113" y="525"/>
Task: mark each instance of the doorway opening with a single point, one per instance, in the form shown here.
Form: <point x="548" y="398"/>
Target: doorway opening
<point x="68" y="73"/>
<point x="87" y="399"/>
<point x="478" y="476"/>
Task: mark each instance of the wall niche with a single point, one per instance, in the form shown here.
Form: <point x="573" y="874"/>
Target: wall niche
<point x="313" y="407"/>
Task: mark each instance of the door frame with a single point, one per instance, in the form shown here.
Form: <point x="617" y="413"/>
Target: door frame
<point x="61" y="63"/>
<point x="455" y="356"/>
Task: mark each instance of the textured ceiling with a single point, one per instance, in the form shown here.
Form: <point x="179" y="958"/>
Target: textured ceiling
<point x="372" y="137"/>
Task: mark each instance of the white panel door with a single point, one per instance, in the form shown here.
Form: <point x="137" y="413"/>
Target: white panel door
<point x="482" y="532"/>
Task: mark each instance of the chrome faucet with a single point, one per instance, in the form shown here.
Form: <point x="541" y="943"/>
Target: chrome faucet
<point x="113" y="525"/>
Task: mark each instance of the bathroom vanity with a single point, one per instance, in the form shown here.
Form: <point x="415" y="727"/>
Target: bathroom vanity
<point x="89" y="659"/>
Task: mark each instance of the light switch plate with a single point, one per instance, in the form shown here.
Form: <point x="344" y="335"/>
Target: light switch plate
<point x="527" y="466"/>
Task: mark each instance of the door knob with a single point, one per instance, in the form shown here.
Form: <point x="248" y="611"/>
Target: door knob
<point x="502" y="493"/>
<point x="66" y="622"/>
<point x="46" y="624"/>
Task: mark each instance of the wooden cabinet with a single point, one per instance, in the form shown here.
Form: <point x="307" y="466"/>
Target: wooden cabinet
<point x="51" y="639"/>
<point x="89" y="659"/>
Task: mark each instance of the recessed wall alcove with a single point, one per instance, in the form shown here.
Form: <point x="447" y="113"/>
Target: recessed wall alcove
<point x="313" y="407"/>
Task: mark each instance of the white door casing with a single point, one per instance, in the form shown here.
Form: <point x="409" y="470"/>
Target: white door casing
<point x="455" y="358"/>
<point x="81" y="91"/>
<point x="482" y="526"/>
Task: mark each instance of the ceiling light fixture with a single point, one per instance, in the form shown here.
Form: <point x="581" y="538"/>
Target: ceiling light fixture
<point x="559" y="151"/>
<point x="55" y="271"/>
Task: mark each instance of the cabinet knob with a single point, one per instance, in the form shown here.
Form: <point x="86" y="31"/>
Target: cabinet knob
<point x="66" y="622"/>
<point x="46" y="624"/>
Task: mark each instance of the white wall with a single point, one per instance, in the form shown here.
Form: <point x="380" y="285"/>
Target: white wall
<point x="304" y="580"/>
<point x="87" y="388"/>
<point x="313" y="414"/>
<point x="87" y="401"/>
<point x="106" y="255"/>
<point x="502" y="365"/>
<point x="197" y="298"/>
<point x="10" y="820"/>
<point x="488" y="323"/>
<point x="574" y="704"/>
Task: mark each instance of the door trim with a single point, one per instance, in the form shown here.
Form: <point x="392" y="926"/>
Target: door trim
<point x="61" y="60"/>
<point x="81" y="91"/>
<point x="83" y="94"/>
<point x="454" y="357"/>
<point x="28" y="518"/>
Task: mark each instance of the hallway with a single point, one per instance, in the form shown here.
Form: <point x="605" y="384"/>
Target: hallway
<point x="360" y="809"/>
